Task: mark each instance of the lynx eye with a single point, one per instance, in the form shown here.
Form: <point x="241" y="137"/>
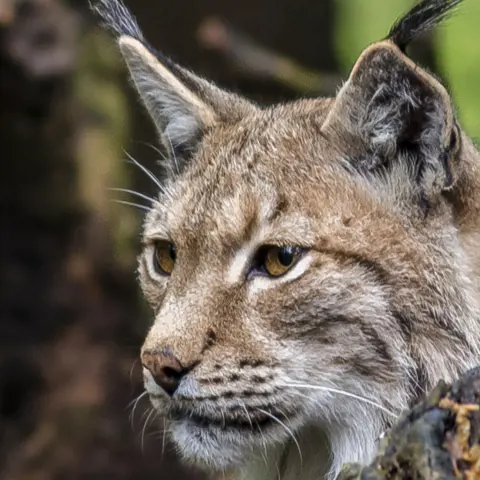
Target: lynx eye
<point x="276" y="261"/>
<point x="164" y="257"/>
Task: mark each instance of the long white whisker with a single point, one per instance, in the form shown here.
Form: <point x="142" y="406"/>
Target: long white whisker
<point x="146" y="171"/>
<point x="274" y="418"/>
<point x="264" y="453"/>
<point x="145" y="426"/>
<point x="284" y="415"/>
<point x="135" y="403"/>
<point x="155" y="149"/>
<point x="223" y="418"/>
<point x="133" y="192"/>
<point x="135" y="400"/>
<point x="342" y="392"/>
<point x="246" y="412"/>
<point x="173" y="154"/>
<point x="131" y="204"/>
<point x="164" y="436"/>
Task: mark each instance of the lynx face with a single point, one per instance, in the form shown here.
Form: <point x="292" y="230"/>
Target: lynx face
<point x="309" y="265"/>
<point x="273" y="285"/>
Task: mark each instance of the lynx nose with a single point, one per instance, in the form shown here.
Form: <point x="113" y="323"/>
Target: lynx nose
<point x="166" y="369"/>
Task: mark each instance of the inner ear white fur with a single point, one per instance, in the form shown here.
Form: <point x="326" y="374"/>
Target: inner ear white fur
<point x="178" y="113"/>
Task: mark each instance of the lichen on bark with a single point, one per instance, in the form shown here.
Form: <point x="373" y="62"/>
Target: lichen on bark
<point x="437" y="439"/>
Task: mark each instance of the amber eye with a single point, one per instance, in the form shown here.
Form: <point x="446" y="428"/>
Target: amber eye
<point x="279" y="260"/>
<point x="164" y="257"/>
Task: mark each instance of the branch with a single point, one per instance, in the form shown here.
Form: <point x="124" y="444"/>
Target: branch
<point x="437" y="439"/>
<point x="254" y="60"/>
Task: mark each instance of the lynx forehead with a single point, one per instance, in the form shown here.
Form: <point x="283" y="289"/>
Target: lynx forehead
<point x="312" y="267"/>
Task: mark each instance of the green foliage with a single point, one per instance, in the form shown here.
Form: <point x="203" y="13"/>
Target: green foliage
<point x="458" y="58"/>
<point x="361" y="22"/>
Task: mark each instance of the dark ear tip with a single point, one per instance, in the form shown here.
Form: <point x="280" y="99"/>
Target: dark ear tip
<point x="381" y="55"/>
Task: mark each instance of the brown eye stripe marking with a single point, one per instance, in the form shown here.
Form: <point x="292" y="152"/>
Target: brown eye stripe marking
<point x="343" y="256"/>
<point x="380" y="346"/>
<point x="404" y="320"/>
<point x="324" y="328"/>
<point x="407" y="324"/>
<point x="366" y="367"/>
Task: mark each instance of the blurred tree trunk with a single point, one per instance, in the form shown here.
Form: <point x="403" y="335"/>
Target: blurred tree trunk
<point x="69" y="320"/>
<point x="69" y="326"/>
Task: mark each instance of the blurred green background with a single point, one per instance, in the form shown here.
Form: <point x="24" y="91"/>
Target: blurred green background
<point x="71" y="316"/>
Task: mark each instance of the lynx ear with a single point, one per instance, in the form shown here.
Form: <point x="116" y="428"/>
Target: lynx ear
<point x="178" y="113"/>
<point x="182" y="105"/>
<point x="398" y="113"/>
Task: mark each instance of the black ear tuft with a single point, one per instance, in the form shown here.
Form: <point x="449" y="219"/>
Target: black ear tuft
<point x="182" y="105"/>
<point x="421" y="19"/>
<point x="117" y="18"/>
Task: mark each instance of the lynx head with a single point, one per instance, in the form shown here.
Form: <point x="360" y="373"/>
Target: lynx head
<point x="303" y="261"/>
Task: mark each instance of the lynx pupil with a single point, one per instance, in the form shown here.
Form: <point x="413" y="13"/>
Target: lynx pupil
<point x="286" y="256"/>
<point x="173" y="252"/>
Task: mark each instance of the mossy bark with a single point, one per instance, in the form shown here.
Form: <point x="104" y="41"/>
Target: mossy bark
<point x="438" y="439"/>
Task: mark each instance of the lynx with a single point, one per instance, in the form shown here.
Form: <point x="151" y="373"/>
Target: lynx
<point x="313" y="267"/>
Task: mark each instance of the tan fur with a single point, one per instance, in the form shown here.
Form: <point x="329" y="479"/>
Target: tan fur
<point x="381" y="188"/>
<point x="276" y="161"/>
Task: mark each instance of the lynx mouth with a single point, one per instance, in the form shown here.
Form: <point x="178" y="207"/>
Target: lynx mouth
<point x="225" y="439"/>
<point x="255" y="422"/>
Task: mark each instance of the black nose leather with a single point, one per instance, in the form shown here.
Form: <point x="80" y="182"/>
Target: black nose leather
<point x="166" y="369"/>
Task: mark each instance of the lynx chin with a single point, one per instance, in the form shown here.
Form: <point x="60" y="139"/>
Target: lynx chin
<point x="313" y="267"/>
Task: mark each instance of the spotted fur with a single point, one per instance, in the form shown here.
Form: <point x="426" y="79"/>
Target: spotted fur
<point x="295" y="376"/>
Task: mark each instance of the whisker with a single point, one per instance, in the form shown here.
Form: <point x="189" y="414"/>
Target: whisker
<point x="173" y="154"/>
<point x="342" y="392"/>
<point x="316" y="402"/>
<point x="274" y="418"/>
<point x="145" y="170"/>
<point x="164" y="436"/>
<point x="131" y="204"/>
<point x="246" y="412"/>
<point x="136" y="399"/>
<point x="133" y="192"/>
<point x="155" y="149"/>
<point x="145" y="426"/>
<point x="135" y="403"/>
<point x="223" y="418"/>
<point x="132" y="368"/>
<point x="265" y="452"/>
